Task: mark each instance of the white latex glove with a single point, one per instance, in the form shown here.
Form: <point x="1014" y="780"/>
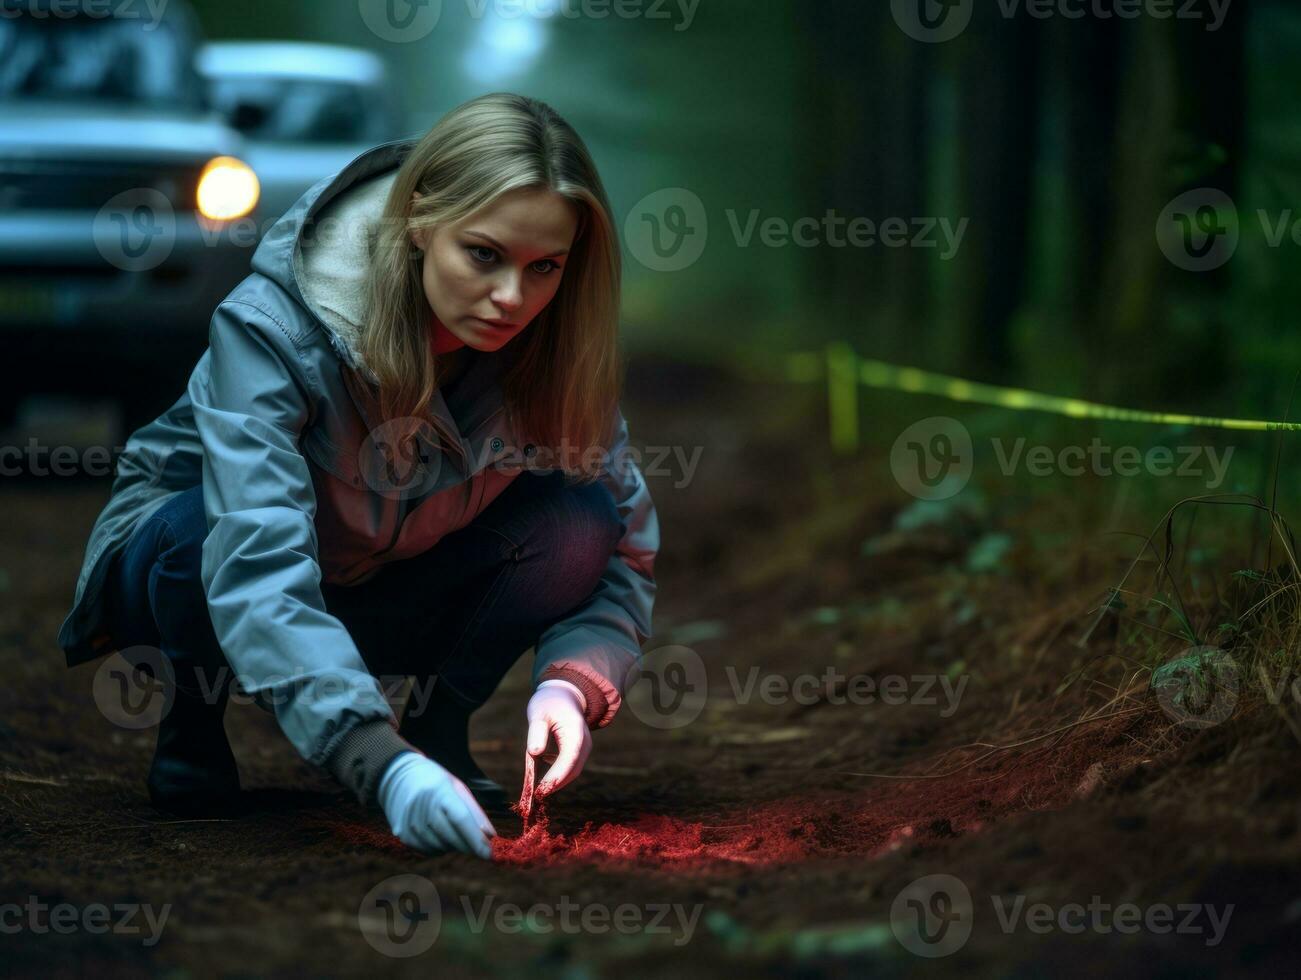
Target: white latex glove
<point x="430" y="809"/>
<point x="559" y="708"/>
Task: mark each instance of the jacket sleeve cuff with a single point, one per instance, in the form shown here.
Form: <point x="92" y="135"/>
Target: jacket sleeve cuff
<point x="601" y="706"/>
<point x="362" y="755"/>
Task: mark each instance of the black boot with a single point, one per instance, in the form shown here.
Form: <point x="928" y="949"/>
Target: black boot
<point x="194" y="771"/>
<point x="441" y="730"/>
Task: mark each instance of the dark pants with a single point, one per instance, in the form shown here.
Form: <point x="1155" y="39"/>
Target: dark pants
<point x="465" y="610"/>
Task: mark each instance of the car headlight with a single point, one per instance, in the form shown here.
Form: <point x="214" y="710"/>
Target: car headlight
<point x="228" y="189"/>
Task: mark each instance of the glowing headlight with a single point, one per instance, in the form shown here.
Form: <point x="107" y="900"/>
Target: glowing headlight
<point x="228" y="189"/>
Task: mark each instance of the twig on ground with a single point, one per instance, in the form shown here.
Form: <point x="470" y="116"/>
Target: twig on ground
<point x="18" y="777"/>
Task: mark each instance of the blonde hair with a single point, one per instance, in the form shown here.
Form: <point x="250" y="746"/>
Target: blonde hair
<point x="562" y="387"/>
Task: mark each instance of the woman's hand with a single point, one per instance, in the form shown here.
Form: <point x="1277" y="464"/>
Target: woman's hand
<point x="558" y="707"/>
<point x="431" y="810"/>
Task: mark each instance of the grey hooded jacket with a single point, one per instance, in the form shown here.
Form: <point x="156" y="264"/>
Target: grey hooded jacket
<point x="279" y="424"/>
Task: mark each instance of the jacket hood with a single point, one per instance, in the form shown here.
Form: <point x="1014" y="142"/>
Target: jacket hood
<point x="319" y="250"/>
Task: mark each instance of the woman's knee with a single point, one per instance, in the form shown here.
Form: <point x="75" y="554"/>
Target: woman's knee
<point x="156" y="578"/>
<point x="185" y="528"/>
<point x="577" y="532"/>
<point x="165" y="559"/>
<point x="177" y="595"/>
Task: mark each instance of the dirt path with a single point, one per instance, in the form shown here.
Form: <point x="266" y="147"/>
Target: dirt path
<point x="738" y="828"/>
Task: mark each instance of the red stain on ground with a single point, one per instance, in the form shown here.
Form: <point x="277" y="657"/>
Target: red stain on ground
<point x="781" y="833"/>
<point x="816" y="826"/>
<point x="657" y="839"/>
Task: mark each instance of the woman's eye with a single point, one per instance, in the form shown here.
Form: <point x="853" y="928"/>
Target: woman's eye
<point x="484" y="254"/>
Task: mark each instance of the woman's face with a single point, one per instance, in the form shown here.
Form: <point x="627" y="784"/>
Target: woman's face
<point x="502" y="264"/>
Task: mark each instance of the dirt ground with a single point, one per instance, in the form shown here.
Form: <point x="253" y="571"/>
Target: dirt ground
<point x="769" y="835"/>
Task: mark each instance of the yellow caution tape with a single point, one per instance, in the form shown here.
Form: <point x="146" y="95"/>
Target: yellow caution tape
<point x="844" y="372"/>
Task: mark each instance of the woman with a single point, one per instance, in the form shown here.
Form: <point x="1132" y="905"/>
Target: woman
<point x="401" y="454"/>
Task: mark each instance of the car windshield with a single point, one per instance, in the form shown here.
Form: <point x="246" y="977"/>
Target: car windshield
<point x="299" y="110"/>
<point x="113" y="59"/>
